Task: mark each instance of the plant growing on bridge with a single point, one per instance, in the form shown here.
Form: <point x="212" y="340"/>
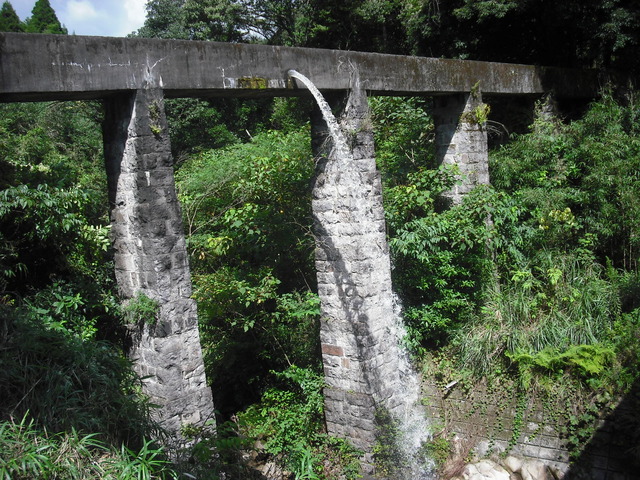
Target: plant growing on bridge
<point x="154" y="118"/>
<point x="141" y="310"/>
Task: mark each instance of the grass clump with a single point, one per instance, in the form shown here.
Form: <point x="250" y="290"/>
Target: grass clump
<point x="30" y="452"/>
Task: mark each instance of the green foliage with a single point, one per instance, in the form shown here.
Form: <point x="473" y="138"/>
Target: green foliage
<point x="164" y="19"/>
<point x="483" y="9"/>
<point x="290" y="114"/>
<point x="54" y="184"/>
<point x="533" y="282"/>
<point x="288" y="419"/>
<point x="593" y="33"/>
<point x="417" y="197"/>
<point x="387" y="454"/>
<point x="403" y="142"/>
<point x="247" y="209"/>
<point x="276" y="22"/>
<point x="57" y="143"/>
<point x="146" y="463"/>
<point x="439" y="449"/>
<point x="303" y="463"/>
<point x="43" y="19"/>
<point x="47" y="243"/>
<point x="587" y="360"/>
<point x="290" y="22"/>
<point x="57" y="215"/>
<point x="559" y="303"/>
<point x="442" y="261"/>
<point x="247" y="205"/>
<point x="141" y="310"/>
<point x="248" y="328"/>
<point x="252" y="193"/>
<point x="65" y="381"/>
<point x="30" y="453"/>
<point x="513" y="281"/>
<point x="9" y="20"/>
<point x="196" y="125"/>
<point x="248" y="213"/>
<point x="549" y="294"/>
<point x="584" y="171"/>
<point x="40" y="221"/>
<point x="626" y="338"/>
<point x="582" y="424"/>
<point x="215" y="447"/>
<point x="22" y="454"/>
<point x="481" y="113"/>
<point x="390" y="457"/>
<point x="56" y="299"/>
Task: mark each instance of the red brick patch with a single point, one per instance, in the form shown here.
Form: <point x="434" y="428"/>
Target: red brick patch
<point x="332" y="350"/>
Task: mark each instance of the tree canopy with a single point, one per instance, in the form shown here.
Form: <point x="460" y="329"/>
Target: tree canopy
<point x="9" y="20"/>
<point x="592" y="33"/>
<point x="44" y="19"/>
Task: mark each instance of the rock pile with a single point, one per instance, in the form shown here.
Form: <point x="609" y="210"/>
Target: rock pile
<point x="512" y="468"/>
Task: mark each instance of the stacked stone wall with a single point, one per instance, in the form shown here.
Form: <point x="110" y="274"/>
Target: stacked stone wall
<point x="151" y="259"/>
<point x="492" y="421"/>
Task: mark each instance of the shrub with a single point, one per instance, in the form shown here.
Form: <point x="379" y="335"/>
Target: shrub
<point x="66" y="382"/>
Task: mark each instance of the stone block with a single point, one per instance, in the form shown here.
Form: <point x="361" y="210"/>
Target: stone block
<point x="532" y="451"/>
<point x="125" y="262"/>
<point x="553" y="454"/>
<point x="529" y="439"/>
<point x="596" y="474"/>
<point x="359" y="399"/>
<point x="553" y="442"/>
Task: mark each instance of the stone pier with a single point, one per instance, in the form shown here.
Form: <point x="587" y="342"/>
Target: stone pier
<point x="461" y="140"/>
<point x="151" y="259"/>
<point x="365" y="369"/>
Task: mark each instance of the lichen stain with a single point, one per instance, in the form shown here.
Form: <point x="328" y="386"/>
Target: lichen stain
<point x="255" y="83"/>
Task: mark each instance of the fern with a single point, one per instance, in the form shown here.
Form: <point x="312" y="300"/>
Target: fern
<point x="587" y="360"/>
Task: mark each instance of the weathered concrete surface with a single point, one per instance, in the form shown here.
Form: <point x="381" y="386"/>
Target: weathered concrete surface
<point x="151" y="258"/>
<point x="48" y="67"/>
<point x="365" y="368"/>
<point x="461" y="140"/>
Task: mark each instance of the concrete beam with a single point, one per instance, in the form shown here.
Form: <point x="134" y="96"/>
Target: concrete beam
<point x="35" y="67"/>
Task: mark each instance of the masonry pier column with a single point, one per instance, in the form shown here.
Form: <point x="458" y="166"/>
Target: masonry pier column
<point x="366" y="373"/>
<point x="461" y="139"/>
<point x="151" y="259"/>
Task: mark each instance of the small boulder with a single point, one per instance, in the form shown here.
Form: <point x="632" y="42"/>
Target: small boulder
<point x="514" y="464"/>
<point x="534" y="470"/>
<point x="484" y="470"/>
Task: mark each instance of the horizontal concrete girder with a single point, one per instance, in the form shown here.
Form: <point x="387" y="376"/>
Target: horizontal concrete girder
<point x="36" y="67"/>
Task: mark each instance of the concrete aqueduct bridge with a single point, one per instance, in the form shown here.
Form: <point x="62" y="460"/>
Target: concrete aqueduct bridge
<point x="133" y="76"/>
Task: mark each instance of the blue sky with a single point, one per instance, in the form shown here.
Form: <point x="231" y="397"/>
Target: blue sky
<point x="111" y="18"/>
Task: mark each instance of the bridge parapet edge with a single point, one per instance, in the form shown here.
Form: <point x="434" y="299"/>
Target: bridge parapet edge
<point x="38" y="67"/>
